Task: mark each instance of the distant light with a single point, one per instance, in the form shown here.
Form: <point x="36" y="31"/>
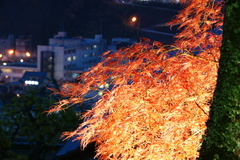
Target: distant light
<point x="1" y="55"/>
<point x="69" y="59"/>
<point x="28" y="54"/>
<point x="10" y="51"/>
<point x="74" y="57"/>
<point x="4" y="64"/>
<point x="74" y="75"/>
<point x="18" y="95"/>
<point x="30" y="82"/>
<point x="134" y="19"/>
<point x="21" y="60"/>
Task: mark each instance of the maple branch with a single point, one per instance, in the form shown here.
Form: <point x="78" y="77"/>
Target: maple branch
<point x="201" y="108"/>
<point x="216" y="62"/>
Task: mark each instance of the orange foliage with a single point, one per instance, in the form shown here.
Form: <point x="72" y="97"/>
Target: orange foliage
<point x="153" y="105"/>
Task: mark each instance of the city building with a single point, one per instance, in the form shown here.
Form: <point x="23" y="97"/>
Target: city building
<point x="34" y="79"/>
<point x="6" y="47"/>
<point x="65" y="58"/>
<point x="11" y="72"/>
<point x="15" y="49"/>
<point x="23" y="48"/>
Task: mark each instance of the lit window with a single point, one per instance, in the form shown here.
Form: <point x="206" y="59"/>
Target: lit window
<point x="69" y="59"/>
<point x="74" y="75"/>
<point x="85" y="55"/>
<point x="74" y="58"/>
<point x="95" y="46"/>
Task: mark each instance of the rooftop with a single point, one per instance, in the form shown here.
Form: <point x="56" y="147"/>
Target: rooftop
<point x="20" y="64"/>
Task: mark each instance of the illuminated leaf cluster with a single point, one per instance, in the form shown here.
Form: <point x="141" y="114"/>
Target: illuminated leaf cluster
<point x="153" y="99"/>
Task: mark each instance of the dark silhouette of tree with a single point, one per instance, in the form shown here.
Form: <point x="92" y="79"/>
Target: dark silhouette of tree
<point x="24" y="117"/>
<point x="223" y="136"/>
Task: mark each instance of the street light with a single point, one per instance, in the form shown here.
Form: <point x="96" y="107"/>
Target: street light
<point x="28" y="54"/>
<point x="136" y="22"/>
<point x="10" y="51"/>
<point x="134" y="19"/>
<point x="11" y="54"/>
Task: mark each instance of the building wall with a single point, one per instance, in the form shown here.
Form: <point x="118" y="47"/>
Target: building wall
<point x="59" y="63"/>
<point x="22" y="46"/>
<point x="72" y="55"/>
<point x="58" y="59"/>
<point x="13" y="73"/>
<point x="6" y="44"/>
<point x="14" y="49"/>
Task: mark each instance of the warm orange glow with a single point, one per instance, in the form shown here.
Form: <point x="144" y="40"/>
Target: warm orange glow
<point x="1" y="55"/>
<point x="28" y="54"/>
<point x="134" y="19"/>
<point x="10" y="51"/>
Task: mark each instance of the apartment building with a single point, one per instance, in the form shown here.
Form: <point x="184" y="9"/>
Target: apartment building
<point x="15" y="49"/>
<point x="23" y="47"/>
<point x="65" y="58"/>
<point x="6" y="47"/>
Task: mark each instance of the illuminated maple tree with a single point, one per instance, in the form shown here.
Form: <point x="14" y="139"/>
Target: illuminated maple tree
<point x="153" y="99"/>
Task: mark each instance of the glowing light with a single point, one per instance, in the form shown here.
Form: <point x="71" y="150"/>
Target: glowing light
<point x="29" y="82"/>
<point x="134" y="19"/>
<point x="1" y="55"/>
<point x="28" y="54"/>
<point x="10" y="51"/>
<point x="21" y="60"/>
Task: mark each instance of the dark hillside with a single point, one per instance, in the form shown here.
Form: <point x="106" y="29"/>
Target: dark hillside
<point x="44" y="18"/>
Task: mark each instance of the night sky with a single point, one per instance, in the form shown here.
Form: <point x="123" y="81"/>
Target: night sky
<point x="43" y="18"/>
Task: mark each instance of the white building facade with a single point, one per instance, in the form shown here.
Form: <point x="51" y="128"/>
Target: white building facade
<point x="65" y="58"/>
